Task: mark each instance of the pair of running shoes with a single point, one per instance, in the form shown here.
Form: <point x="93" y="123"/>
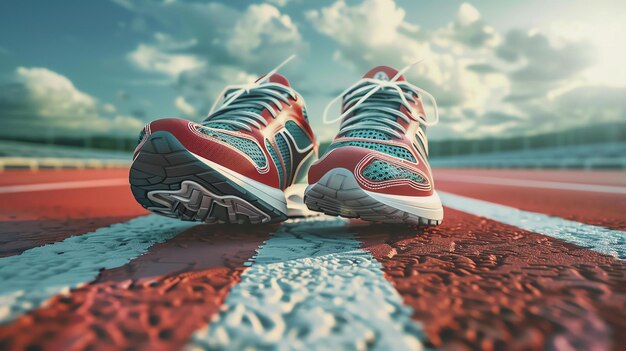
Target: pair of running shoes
<point x="256" y="142"/>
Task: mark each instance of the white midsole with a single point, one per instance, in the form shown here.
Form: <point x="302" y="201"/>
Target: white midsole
<point x="423" y="206"/>
<point x="272" y="196"/>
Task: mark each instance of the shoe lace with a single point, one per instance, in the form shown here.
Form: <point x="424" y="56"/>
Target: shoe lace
<point x="241" y="104"/>
<point x="375" y="105"/>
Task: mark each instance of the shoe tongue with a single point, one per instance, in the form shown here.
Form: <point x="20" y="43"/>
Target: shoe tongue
<point x="383" y="73"/>
<point x="277" y="78"/>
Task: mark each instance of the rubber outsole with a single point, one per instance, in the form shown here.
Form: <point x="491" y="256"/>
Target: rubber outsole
<point x="167" y="179"/>
<point x="339" y="194"/>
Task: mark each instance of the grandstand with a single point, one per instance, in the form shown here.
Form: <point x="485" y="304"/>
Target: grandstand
<point x="593" y="156"/>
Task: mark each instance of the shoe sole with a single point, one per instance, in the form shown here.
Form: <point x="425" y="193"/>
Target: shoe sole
<point x="337" y="193"/>
<point x="169" y="180"/>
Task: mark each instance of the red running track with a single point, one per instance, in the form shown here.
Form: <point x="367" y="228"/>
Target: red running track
<point x="597" y="208"/>
<point x="474" y="283"/>
<point x="483" y="285"/>
<point x="155" y="302"/>
<point x="34" y="218"/>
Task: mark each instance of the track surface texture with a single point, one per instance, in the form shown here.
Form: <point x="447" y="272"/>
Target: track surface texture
<point x="84" y="267"/>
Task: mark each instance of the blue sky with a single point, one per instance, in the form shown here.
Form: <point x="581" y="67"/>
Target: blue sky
<point x="497" y="68"/>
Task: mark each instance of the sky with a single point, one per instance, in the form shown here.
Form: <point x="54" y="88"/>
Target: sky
<point x="496" y="68"/>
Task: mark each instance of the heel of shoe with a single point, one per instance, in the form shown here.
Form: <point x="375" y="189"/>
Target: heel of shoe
<point x="167" y="179"/>
<point x="337" y="193"/>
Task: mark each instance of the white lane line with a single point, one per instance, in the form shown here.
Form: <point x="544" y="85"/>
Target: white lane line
<point x="29" y="279"/>
<point x="99" y="183"/>
<point x="524" y="183"/>
<point x="311" y="287"/>
<point x="600" y="239"/>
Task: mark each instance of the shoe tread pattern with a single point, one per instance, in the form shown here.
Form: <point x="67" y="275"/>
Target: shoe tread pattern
<point x="167" y="179"/>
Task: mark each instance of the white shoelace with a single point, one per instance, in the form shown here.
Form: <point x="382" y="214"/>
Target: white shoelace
<point x="241" y="102"/>
<point x="379" y="111"/>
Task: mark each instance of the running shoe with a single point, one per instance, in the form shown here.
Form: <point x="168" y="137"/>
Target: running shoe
<point x="377" y="167"/>
<point x="233" y="166"/>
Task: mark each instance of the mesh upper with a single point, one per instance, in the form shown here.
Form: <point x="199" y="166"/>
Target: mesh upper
<point x="382" y="171"/>
<point x="218" y="125"/>
<point x="392" y="150"/>
<point x="302" y="140"/>
<point x="226" y="126"/>
<point x="246" y="146"/>
<point x="285" y="153"/>
<point x="367" y="134"/>
<point x="270" y="148"/>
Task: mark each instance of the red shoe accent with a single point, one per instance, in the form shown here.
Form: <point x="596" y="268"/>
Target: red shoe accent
<point x="356" y="159"/>
<point x="228" y="155"/>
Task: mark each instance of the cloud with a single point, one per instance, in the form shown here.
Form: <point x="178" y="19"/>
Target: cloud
<point x="373" y="33"/>
<point x="544" y="60"/>
<point x="586" y="105"/>
<point x="498" y="117"/>
<point x="376" y="32"/>
<point x="56" y="93"/>
<point x="470" y="30"/>
<point x="282" y="3"/>
<point x="219" y="45"/>
<point x="482" y="68"/>
<point x="109" y="108"/>
<point x="153" y="59"/>
<point x="373" y="23"/>
<point x="184" y="107"/>
<point x="40" y="101"/>
<point x="467" y="14"/>
<point x="200" y="88"/>
<point x="218" y="34"/>
<point x="262" y="25"/>
<point x="485" y="83"/>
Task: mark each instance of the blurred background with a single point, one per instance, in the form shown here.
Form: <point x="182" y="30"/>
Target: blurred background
<point x="530" y="84"/>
